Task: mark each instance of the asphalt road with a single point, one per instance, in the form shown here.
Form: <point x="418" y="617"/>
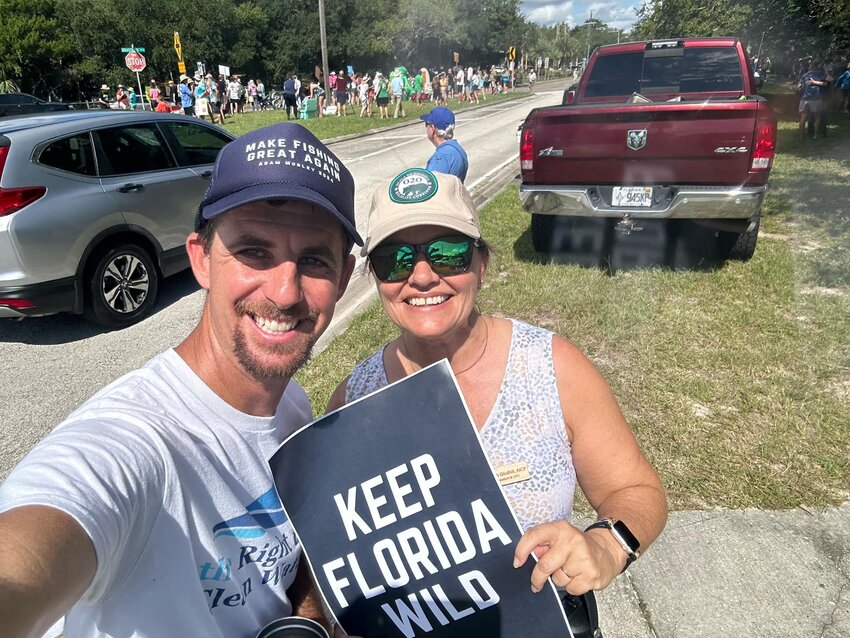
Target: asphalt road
<point x="50" y="365"/>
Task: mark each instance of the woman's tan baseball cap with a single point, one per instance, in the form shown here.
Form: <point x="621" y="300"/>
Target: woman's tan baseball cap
<point x="418" y="197"/>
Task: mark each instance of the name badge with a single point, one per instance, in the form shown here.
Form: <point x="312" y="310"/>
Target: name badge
<point x="513" y="473"/>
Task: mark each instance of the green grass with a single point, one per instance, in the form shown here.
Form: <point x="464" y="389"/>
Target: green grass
<point x="736" y="381"/>
<point x="331" y="126"/>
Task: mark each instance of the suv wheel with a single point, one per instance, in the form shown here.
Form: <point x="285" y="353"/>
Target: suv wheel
<point x="122" y="289"/>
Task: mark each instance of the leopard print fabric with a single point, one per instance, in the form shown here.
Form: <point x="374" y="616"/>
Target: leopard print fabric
<point x="526" y="424"/>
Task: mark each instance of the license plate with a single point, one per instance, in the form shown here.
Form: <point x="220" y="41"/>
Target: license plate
<point x="632" y="196"/>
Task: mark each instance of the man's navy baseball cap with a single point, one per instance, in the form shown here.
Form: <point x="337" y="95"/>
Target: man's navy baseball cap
<point x="441" y="117"/>
<point x="280" y="162"/>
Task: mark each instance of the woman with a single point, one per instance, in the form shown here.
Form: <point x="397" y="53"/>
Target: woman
<point x="382" y="94"/>
<point x="252" y="95"/>
<point x="121" y="97"/>
<point x="365" y="92"/>
<point x="537" y="401"/>
<point x="317" y="92"/>
<point x="153" y="93"/>
<point x="202" y="99"/>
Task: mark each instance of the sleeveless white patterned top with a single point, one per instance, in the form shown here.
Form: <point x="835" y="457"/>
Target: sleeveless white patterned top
<point x="526" y="425"/>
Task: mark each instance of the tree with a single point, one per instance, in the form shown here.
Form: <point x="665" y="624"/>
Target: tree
<point x="32" y="45"/>
<point x="691" y="18"/>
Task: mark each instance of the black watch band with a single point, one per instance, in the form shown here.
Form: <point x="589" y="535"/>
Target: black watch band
<point x="624" y="536"/>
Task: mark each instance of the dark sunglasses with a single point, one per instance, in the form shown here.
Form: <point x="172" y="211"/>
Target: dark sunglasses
<point x="450" y="255"/>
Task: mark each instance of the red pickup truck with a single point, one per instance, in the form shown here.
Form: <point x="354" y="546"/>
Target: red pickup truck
<point x="667" y="129"/>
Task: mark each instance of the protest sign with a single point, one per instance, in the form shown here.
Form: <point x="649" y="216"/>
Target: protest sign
<point x="403" y="521"/>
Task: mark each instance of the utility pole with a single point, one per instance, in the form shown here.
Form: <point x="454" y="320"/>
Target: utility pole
<point x="324" y="47"/>
<point x="587" y="55"/>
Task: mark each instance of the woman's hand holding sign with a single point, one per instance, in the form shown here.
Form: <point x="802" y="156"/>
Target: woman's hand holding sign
<point x="574" y="560"/>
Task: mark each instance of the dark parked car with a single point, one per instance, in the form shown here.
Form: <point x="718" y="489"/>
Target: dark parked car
<point x="22" y="103"/>
<point x="95" y="208"/>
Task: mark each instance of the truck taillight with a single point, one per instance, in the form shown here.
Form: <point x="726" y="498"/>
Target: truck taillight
<point x="571" y="97"/>
<point x="764" y="147"/>
<point x="14" y="199"/>
<point x="526" y="150"/>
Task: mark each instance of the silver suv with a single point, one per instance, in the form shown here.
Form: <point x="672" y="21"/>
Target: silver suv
<point x="95" y="208"/>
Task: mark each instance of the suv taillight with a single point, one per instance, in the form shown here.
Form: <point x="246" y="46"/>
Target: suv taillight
<point x="14" y="199"/>
<point x="571" y="97"/>
<point x="526" y="150"/>
<point x="764" y="146"/>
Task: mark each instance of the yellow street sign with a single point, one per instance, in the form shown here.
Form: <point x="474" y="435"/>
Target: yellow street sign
<point x="181" y="66"/>
<point x="511" y="53"/>
<point x="178" y="48"/>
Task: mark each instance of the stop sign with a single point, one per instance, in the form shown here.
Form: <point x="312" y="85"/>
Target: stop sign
<point x="135" y="61"/>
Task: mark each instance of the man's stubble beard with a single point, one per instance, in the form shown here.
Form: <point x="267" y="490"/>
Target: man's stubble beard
<point x="295" y="354"/>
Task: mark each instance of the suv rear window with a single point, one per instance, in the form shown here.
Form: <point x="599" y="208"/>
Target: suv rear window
<point x="73" y="154"/>
<point x="133" y="149"/>
<point x="199" y="144"/>
<point x="697" y="70"/>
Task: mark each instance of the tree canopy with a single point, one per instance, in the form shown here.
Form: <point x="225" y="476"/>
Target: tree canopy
<point x="67" y="48"/>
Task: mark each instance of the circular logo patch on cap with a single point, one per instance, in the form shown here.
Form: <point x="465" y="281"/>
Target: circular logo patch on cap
<point x="413" y="186"/>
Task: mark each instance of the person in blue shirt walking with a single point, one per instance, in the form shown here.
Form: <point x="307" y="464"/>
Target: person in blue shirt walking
<point x="449" y="157"/>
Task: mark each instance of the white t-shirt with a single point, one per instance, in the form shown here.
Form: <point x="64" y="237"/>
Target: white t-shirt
<point x="172" y="485"/>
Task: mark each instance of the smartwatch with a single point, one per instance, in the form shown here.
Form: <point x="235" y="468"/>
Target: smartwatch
<point x="624" y="537"/>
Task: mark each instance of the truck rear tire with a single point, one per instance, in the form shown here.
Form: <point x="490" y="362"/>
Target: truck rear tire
<point x="744" y="244"/>
<point x="542" y="232"/>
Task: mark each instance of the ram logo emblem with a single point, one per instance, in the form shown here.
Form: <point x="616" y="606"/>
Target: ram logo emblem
<point x="636" y="139"/>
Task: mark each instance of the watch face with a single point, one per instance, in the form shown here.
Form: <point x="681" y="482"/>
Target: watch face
<point x="627" y="536"/>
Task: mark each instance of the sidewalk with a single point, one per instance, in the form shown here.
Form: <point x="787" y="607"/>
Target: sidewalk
<point x="729" y="573"/>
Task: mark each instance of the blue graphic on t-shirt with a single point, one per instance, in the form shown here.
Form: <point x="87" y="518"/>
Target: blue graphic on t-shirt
<point x="264" y="513"/>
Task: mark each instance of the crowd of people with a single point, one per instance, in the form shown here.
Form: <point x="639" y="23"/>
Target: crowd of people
<point x="367" y="93"/>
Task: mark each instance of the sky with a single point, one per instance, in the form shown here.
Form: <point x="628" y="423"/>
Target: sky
<point x="616" y="13"/>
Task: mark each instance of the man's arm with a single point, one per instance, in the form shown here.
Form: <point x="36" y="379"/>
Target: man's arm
<point x="305" y="598"/>
<point x="47" y="561"/>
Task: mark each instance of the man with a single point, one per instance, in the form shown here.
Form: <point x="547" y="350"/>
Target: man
<point x="151" y="510"/>
<point x="289" y="100"/>
<point x="187" y="100"/>
<point x="812" y="84"/>
<point x="397" y="91"/>
<point x="449" y="157"/>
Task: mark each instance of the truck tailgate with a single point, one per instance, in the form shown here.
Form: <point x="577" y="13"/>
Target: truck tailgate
<point x="708" y="142"/>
